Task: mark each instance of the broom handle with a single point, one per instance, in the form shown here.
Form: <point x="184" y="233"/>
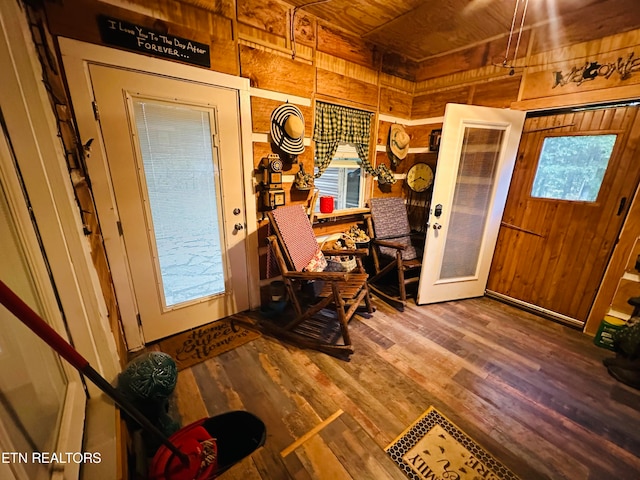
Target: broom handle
<point x="41" y="328"/>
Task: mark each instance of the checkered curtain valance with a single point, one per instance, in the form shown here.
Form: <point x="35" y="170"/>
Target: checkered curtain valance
<point x="335" y="124"/>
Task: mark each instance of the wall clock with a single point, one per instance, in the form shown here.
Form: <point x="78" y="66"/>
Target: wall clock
<point x="419" y="177"/>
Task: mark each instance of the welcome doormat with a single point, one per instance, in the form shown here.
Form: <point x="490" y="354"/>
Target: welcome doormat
<point x="434" y="448"/>
<point x="205" y="342"/>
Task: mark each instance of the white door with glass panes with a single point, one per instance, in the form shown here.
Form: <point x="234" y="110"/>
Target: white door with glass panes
<point x="475" y="162"/>
<point x="174" y="155"/>
<point x="42" y="398"/>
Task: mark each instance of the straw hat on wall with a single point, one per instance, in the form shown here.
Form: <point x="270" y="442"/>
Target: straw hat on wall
<point x="399" y="141"/>
<point x="287" y="129"/>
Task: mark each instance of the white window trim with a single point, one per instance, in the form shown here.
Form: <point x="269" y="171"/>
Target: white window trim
<point x="344" y="158"/>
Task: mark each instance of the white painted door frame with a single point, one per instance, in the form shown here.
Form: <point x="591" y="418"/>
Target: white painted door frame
<point x="76" y="58"/>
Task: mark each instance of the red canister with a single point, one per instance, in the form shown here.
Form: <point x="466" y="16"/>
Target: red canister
<point x="326" y="204"/>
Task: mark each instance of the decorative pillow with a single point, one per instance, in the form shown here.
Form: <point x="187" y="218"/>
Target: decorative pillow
<point x="317" y="264"/>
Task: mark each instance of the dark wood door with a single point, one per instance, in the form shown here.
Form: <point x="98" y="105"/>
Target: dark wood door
<point x="554" y="243"/>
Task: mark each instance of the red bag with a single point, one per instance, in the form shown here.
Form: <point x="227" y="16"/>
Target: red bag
<point x="196" y="442"/>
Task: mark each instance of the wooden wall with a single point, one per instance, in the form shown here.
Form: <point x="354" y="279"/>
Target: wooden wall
<point x="250" y="38"/>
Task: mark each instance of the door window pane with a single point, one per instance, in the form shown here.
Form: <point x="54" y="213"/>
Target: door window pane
<point x="32" y="383"/>
<point x="182" y="193"/>
<point x="343" y="179"/>
<point x="471" y="201"/>
<point x="572" y="167"/>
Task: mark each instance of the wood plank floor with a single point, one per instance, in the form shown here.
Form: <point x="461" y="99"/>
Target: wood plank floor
<point x="532" y="392"/>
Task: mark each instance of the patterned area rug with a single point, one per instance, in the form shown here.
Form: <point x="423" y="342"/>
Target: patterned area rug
<point x="434" y="448"/>
<point x="202" y="343"/>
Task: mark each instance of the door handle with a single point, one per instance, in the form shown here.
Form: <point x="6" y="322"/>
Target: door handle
<point x="437" y="226"/>
<point x="238" y="226"/>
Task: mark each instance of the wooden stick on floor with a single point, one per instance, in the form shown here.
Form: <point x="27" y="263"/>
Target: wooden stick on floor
<point x="310" y="434"/>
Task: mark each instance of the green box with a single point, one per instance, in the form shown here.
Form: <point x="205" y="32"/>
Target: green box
<point x="606" y="333"/>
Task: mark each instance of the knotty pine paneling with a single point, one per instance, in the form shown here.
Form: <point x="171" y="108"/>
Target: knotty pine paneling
<point x="226" y="8"/>
<point x="395" y="103"/>
<point x="261" y="109"/>
<point x="433" y="104"/>
<point x="420" y="134"/>
<point x="269" y="15"/>
<point x="253" y="29"/>
<point x="270" y="71"/>
<point x="252" y="36"/>
<point x="498" y="93"/>
<point x="467" y="59"/>
<point x="606" y="21"/>
<point x="77" y="19"/>
<point x="346" y="90"/>
<point x="337" y="43"/>
<point x="305" y="29"/>
<point x="331" y="63"/>
<point x="471" y="58"/>
<point x="398" y="66"/>
<point x="376" y="12"/>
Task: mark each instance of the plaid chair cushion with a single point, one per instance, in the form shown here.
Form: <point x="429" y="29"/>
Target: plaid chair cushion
<point x="390" y="222"/>
<point x="297" y="234"/>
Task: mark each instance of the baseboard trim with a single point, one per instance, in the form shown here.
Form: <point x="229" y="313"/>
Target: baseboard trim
<point x="551" y="315"/>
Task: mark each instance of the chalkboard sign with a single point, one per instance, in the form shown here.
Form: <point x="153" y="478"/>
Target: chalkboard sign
<point x="142" y="39"/>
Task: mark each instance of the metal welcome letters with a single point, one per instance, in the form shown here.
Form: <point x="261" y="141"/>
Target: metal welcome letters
<point x="142" y="39"/>
<point x="591" y="70"/>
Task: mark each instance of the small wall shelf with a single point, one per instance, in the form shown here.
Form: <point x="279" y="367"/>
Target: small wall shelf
<point x="339" y="214"/>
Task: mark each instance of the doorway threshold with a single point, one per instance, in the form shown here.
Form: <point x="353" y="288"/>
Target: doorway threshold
<point x="543" y="312"/>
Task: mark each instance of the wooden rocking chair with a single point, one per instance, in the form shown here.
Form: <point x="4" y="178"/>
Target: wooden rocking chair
<point x="392" y="249"/>
<point x="323" y="302"/>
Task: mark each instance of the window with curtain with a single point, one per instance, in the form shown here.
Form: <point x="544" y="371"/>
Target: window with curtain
<point x="335" y="125"/>
<point x="343" y="179"/>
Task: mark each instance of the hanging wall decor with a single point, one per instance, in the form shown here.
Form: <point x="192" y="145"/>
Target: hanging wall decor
<point x="434" y="139"/>
<point x="139" y="38"/>
<point x="287" y="130"/>
<point x="623" y="67"/>
<point x="398" y="144"/>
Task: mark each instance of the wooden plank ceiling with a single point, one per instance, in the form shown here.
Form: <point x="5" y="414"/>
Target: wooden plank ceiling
<point x="421" y="29"/>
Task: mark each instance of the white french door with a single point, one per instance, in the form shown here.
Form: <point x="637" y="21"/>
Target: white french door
<point x="174" y="157"/>
<point x="475" y="161"/>
<point x="42" y="400"/>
